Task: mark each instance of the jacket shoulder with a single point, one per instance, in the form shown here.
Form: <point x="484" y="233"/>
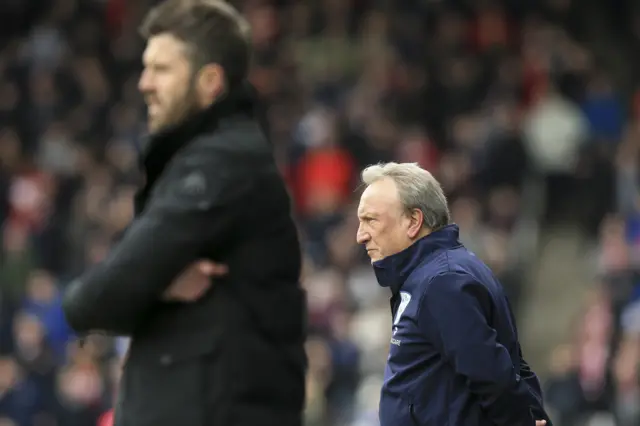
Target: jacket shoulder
<point x="236" y="147"/>
<point x="458" y="261"/>
<point x="237" y="135"/>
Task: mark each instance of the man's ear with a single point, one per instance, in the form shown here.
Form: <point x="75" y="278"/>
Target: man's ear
<point x="209" y="83"/>
<point x="416" y="219"/>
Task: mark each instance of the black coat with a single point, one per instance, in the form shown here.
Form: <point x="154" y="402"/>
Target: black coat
<point x="235" y="357"/>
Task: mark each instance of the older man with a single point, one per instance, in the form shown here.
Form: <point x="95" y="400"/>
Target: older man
<point x="454" y="356"/>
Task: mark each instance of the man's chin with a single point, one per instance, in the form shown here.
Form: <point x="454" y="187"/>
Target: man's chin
<point x="155" y="126"/>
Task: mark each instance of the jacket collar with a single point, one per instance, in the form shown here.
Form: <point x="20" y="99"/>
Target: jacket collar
<point x="392" y="271"/>
<point x="160" y="147"/>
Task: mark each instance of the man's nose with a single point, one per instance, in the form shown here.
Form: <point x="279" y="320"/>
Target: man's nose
<point x="144" y="84"/>
<point x="361" y="236"/>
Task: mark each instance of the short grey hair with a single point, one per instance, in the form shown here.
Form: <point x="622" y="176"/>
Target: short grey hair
<point x="417" y="189"/>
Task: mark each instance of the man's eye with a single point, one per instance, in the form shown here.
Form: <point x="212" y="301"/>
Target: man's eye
<point x="160" y="68"/>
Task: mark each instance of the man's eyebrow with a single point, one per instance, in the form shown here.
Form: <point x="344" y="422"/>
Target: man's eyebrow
<point x="367" y="215"/>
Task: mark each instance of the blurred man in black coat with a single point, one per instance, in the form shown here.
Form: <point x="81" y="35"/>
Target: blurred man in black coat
<point x="231" y="353"/>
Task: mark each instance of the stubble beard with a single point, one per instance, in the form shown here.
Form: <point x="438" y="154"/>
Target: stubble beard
<point x="177" y="112"/>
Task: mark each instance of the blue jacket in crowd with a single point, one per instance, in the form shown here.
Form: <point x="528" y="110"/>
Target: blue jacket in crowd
<point x="454" y="357"/>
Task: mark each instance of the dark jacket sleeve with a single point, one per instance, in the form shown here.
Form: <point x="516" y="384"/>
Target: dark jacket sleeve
<point x="192" y="212"/>
<point x="454" y="313"/>
<point x="535" y="390"/>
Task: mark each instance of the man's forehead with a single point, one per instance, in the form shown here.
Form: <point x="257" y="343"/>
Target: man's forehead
<point x="163" y="47"/>
<point x="378" y="196"/>
<point x="383" y="189"/>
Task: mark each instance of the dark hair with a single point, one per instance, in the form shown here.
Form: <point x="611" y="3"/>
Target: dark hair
<point x="213" y="30"/>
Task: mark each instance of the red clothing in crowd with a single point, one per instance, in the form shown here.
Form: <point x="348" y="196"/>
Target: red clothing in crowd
<point x="30" y="199"/>
<point x="490" y="29"/>
<point x="106" y="419"/>
<point x="535" y="80"/>
<point x="326" y="173"/>
<point x="115" y="15"/>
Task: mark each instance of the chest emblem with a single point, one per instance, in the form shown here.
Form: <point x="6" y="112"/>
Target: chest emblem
<point x="405" y="298"/>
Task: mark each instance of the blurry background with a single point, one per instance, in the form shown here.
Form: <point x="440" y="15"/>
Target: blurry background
<point x="526" y="110"/>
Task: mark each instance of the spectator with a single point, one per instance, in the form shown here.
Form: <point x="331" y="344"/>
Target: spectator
<point x="18" y="395"/>
<point x="43" y="301"/>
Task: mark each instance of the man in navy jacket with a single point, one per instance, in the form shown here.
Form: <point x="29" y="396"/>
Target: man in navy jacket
<point x="454" y="358"/>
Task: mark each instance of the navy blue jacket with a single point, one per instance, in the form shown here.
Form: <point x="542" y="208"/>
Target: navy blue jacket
<point x="454" y="358"/>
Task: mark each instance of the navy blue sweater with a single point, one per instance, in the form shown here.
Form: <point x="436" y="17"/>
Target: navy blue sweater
<point x="454" y="358"/>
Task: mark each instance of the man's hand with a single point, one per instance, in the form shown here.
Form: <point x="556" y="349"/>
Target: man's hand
<point x="194" y="282"/>
<point x="541" y="422"/>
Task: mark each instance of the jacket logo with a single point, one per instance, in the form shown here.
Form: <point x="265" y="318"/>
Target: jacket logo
<point x="405" y="298"/>
<point x="194" y="184"/>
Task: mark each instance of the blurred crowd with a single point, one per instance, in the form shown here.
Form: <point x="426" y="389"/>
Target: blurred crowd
<point x="493" y="97"/>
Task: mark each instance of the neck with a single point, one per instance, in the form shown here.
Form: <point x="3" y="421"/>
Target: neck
<point x="393" y="270"/>
<point x="208" y="101"/>
<point x="423" y="233"/>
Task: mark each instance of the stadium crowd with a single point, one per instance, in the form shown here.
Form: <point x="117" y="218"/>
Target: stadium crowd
<point x="487" y="95"/>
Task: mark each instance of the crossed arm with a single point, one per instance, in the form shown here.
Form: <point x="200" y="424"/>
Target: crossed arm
<point x="177" y="228"/>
